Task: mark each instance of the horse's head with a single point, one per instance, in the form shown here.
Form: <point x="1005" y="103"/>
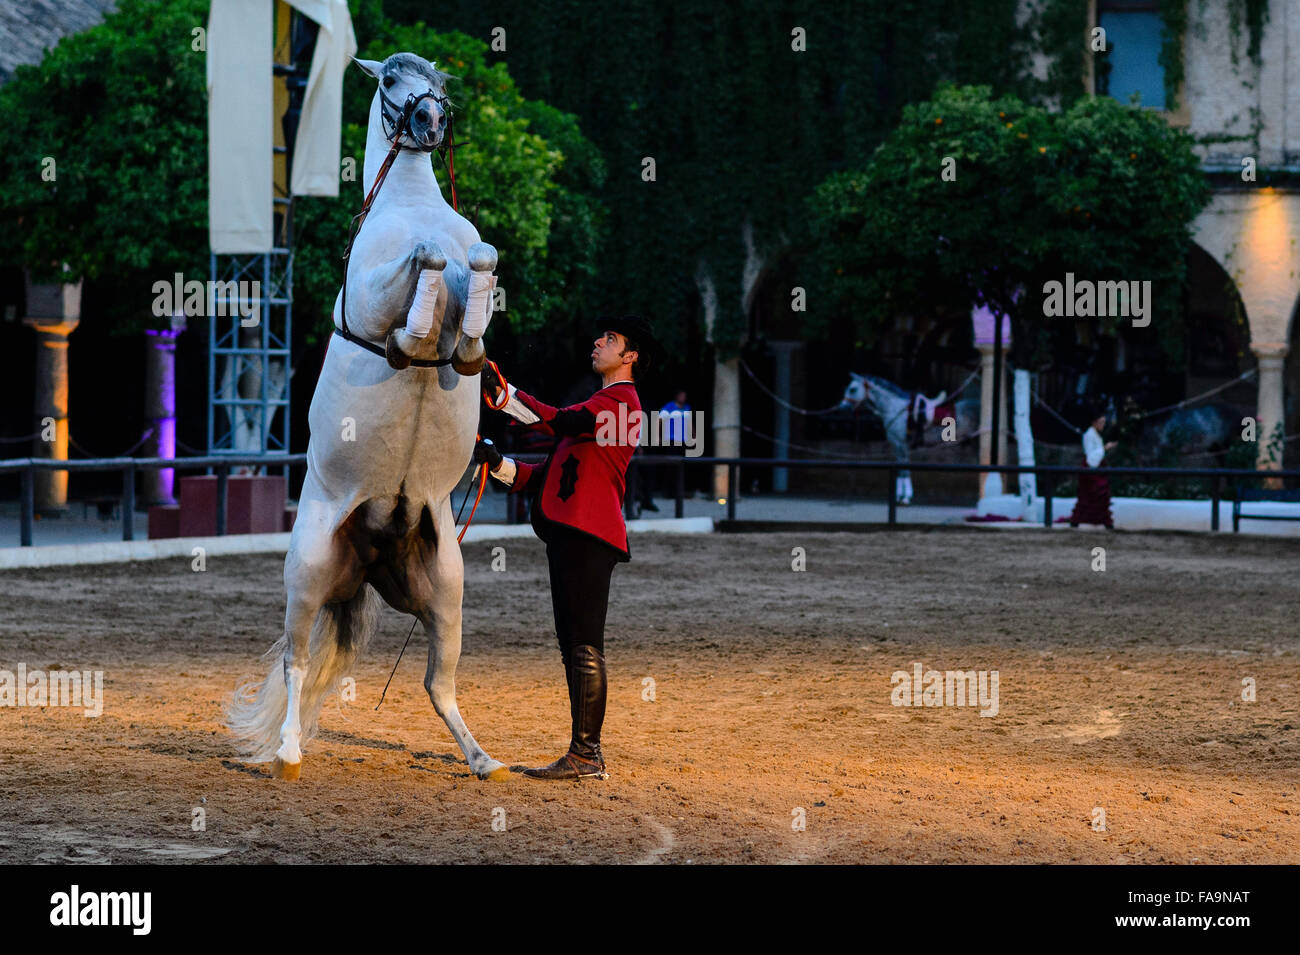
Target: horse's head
<point x="855" y="393"/>
<point x="412" y="91"/>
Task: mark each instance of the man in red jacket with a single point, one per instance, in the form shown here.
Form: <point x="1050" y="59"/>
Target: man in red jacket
<point x="577" y="510"/>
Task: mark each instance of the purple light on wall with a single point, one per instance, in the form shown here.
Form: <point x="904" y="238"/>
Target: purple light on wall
<point x="982" y="319"/>
<point x="167" y="449"/>
<point x="162" y="408"/>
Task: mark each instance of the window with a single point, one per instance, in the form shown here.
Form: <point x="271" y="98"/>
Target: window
<point x="1131" y="64"/>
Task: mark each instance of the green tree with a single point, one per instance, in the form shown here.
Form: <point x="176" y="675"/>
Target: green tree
<point x="121" y="110"/>
<point x="1102" y="190"/>
<point x="741" y="124"/>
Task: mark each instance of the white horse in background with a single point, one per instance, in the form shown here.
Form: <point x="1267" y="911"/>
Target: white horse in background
<point x="389" y="442"/>
<point x="900" y="411"/>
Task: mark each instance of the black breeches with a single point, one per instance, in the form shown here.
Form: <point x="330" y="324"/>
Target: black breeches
<point x="581" y="568"/>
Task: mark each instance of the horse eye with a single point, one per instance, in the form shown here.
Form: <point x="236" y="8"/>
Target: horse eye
<point x="388" y="82"/>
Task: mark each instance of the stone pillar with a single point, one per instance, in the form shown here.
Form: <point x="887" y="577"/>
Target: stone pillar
<point x="51" y="410"/>
<point x="986" y="420"/>
<point x="726" y="422"/>
<point x="982" y="320"/>
<point x="55" y="313"/>
<point x="1269" y="414"/>
<point x="160" y="409"/>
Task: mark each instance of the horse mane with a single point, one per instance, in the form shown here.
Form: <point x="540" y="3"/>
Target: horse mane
<point x="885" y="385"/>
<point x="418" y="66"/>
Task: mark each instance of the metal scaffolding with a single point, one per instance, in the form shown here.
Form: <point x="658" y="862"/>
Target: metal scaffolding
<point x="250" y="324"/>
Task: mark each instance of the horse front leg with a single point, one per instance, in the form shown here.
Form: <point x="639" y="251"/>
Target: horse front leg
<point x="443" y="626"/>
<point x="902" y="454"/>
<point x="415" y="293"/>
<point x="380" y="296"/>
<point x="470" y="354"/>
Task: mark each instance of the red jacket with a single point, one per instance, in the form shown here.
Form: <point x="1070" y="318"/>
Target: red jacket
<point x="581" y="484"/>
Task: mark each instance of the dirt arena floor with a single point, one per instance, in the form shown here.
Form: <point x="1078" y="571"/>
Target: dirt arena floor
<point x="1120" y="691"/>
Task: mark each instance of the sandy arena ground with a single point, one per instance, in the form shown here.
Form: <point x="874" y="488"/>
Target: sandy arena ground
<point x="1119" y="690"/>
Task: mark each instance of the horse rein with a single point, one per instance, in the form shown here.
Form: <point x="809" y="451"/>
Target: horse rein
<point x="400" y="126"/>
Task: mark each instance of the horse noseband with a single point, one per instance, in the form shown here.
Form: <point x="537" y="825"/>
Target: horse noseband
<point x="398" y="120"/>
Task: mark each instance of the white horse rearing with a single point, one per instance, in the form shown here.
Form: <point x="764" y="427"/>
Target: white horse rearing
<point x="389" y="442"/>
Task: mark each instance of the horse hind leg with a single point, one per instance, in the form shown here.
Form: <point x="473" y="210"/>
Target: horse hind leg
<point x="321" y="639"/>
<point x="446" y="571"/>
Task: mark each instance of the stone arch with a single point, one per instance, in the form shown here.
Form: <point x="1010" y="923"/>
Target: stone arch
<point x="1254" y="235"/>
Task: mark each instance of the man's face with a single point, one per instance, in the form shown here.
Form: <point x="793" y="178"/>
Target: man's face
<point x="610" y="352"/>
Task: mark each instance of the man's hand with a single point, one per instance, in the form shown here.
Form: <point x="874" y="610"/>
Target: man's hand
<point x="486" y="451"/>
<point x="492" y="383"/>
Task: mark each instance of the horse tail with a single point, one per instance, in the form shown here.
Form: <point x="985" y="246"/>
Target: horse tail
<point x="257" y="710"/>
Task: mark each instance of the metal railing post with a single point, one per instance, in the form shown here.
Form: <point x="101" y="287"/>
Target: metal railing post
<point x="893" y="497"/>
<point x="1049" y="484"/>
<point x="223" y="475"/>
<point x="1214" y="503"/>
<point x="128" y="502"/>
<point x="28" y="506"/>
<point x="679" y="508"/>
<point x="630" y="493"/>
<point x="733" y="476"/>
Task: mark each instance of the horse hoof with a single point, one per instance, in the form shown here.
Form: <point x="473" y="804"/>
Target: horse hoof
<point x="468" y="368"/>
<point x="392" y="351"/>
<point x="282" y="770"/>
<point x="499" y="774"/>
<point x="469" y="357"/>
<point x="482" y="257"/>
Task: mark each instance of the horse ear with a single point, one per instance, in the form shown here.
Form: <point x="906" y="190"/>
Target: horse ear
<point x="371" y="67"/>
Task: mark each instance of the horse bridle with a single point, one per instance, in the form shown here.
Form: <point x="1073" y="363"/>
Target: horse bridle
<point x="399" y="119"/>
<point x="400" y="124"/>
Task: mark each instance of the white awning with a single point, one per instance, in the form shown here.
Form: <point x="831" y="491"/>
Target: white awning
<point x="240" y="117"/>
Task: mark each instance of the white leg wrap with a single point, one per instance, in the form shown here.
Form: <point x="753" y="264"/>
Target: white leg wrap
<point x="478" y="306"/>
<point x="419" y="320"/>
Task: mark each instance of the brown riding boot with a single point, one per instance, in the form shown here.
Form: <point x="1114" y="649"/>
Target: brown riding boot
<point x="587" y="690"/>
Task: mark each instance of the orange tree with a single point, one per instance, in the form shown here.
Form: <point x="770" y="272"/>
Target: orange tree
<point x="977" y="200"/>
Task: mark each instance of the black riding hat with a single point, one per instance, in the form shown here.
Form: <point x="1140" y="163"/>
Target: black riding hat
<point x="639" y="334"/>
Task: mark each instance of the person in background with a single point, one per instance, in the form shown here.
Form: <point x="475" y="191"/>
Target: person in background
<point x="673" y="428"/>
<point x="1093" y="503"/>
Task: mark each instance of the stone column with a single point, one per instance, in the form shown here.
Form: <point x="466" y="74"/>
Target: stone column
<point x="726" y="422"/>
<point x="982" y="320"/>
<point x="54" y="312"/>
<point x="1269" y="412"/>
<point x="51" y="487"/>
<point x="160" y="409"/>
<point x="986" y="420"/>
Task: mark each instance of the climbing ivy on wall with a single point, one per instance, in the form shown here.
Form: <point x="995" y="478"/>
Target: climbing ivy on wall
<point x="1253" y="14"/>
<point x="1173" y="13"/>
<point x="740" y="125"/>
